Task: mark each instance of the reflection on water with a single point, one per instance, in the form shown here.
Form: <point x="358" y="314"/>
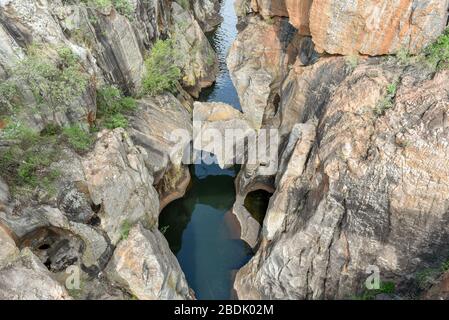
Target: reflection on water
<point x="200" y="234"/>
<point x="200" y="229"/>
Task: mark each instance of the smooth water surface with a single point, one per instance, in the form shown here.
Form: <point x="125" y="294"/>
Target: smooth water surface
<point x="201" y="231"/>
<point x="221" y="40"/>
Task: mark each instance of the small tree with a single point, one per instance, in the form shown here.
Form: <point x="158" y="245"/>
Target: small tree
<point x="162" y="73"/>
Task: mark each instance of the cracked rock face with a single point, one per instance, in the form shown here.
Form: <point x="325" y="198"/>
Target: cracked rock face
<point x="372" y="190"/>
<point x="120" y="183"/>
<point x="26" y="278"/>
<point x="144" y="264"/>
<point x="207" y="13"/>
<point x="368" y="27"/>
<point x="196" y="57"/>
<point x="257" y="62"/>
<point x="376" y="27"/>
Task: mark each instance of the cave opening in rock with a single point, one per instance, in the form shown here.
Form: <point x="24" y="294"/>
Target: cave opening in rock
<point x="56" y="248"/>
<point x="256" y="202"/>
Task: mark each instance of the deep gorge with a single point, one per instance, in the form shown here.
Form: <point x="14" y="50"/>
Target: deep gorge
<point x="99" y="102"/>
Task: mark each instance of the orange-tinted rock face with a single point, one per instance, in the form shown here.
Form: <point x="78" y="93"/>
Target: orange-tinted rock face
<point x="269" y="8"/>
<point x="376" y="27"/>
<point x="298" y="12"/>
<point x="371" y="27"/>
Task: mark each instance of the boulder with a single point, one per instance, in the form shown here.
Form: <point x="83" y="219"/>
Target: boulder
<point x="144" y="264"/>
<point x="26" y="278"/>
<point x="195" y="55"/>
<point x="8" y="249"/>
<point x="120" y="183"/>
<point x="218" y="129"/>
<point x="207" y="13"/>
<point x="258" y="62"/>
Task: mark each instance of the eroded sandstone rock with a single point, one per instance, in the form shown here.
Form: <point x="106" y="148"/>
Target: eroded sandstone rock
<point x="207" y="13"/>
<point x="376" y="27"/>
<point x="371" y="191"/>
<point x="144" y="264"/>
<point x="120" y="183"/>
<point x="257" y="62"/>
<point x="153" y="127"/>
<point x="195" y="55"/>
<point x="218" y="129"/>
<point x="26" y="278"/>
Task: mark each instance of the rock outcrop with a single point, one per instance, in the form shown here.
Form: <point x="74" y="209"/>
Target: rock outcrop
<point x="144" y="264"/>
<point x="119" y="182"/>
<point x="127" y="175"/>
<point x="221" y="130"/>
<point x="154" y="127"/>
<point x="257" y="62"/>
<point x="26" y="278"/>
<point x="207" y="13"/>
<point x="8" y="249"/>
<point x="195" y="56"/>
<point x="367" y="190"/>
<point x="112" y="44"/>
<point x="362" y="27"/>
<point x="440" y="290"/>
<point x="376" y="27"/>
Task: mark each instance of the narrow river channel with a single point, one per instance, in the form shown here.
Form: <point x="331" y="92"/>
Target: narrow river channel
<point x="200" y="228"/>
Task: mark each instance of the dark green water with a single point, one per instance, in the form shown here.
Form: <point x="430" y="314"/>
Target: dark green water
<point x="200" y="228"/>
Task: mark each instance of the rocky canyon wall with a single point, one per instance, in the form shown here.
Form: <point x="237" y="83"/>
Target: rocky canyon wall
<point x="364" y="142"/>
<point x="99" y="210"/>
<point x="366" y="27"/>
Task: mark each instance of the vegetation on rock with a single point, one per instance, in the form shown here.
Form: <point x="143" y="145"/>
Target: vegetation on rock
<point x="53" y="75"/>
<point x="162" y="74"/>
<point x="437" y="54"/>
<point x="112" y="106"/>
<point x="26" y="163"/>
<point x="124" y="7"/>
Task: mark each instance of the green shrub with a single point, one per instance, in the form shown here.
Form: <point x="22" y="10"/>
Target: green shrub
<point x="184" y="3"/>
<point x="388" y="101"/>
<point x="164" y="229"/>
<point x="54" y="82"/>
<point x="110" y="100"/>
<point x="124" y="230"/>
<point x="26" y="163"/>
<point x="351" y="63"/>
<point x="437" y="54"/>
<point x="8" y="93"/>
<point x="385" y="288"/>
<point x="116" y="121"/>
<point x="162" y="73"/>
<point x="404" y="57"/>
<point x="50" y="130"/>
<point x="77" y="138"/>
<point x="15" y="130"/>
<point x="124" y="7"/>
<point x="112" y="106"/>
